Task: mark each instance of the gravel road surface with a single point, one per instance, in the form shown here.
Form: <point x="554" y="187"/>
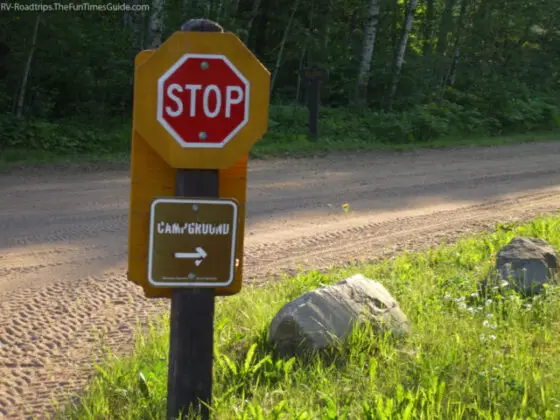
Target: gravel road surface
<point x="63" y="241"/>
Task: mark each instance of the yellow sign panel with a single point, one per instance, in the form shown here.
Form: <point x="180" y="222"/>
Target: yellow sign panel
<point x="192" y="242"/>
<point x="201" y="100"/>
<point x="152" y="177"/>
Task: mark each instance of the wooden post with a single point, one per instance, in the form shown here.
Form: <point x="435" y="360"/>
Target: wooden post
<point x="314" y="76"/>
<point x="191" y="343"/>
<point x="313" y="98"/>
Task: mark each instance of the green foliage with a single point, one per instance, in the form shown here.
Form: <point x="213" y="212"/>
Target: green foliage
<point x="467" y="356"/>
<point x="430" y="125"/>
<point x="433" y="124"/>
<point x="62" y="137"/>
<point x="490" y="70"/>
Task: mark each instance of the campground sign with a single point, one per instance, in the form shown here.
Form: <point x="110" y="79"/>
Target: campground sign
<point x="192" y="242"/>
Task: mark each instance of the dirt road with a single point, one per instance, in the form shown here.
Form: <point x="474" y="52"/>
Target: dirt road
<point x="63" y="292"/>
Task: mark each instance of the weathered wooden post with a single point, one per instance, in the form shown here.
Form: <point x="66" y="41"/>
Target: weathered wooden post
<point x="191" y="344"/>
<point x="314" y="76"/>
<point x="200" y="103"/>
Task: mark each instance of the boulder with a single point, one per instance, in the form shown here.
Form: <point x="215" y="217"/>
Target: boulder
<point x="527" y="264"/>
<point x="323" y="317"/>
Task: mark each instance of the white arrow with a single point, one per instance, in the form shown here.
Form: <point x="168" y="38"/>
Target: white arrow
<point x="199" y="255"/>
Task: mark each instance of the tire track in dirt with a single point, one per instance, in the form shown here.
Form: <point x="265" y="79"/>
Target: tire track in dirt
<point x="384" y="239"/>
<point x="64" y="295"/>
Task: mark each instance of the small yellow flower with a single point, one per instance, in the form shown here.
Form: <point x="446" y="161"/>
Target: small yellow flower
<point x="345" y="207"/>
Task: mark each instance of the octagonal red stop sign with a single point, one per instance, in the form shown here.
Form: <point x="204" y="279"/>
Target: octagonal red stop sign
<point x="203" y="101"/>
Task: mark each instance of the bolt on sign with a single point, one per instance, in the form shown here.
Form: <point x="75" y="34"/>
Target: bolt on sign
<point x="192" y="242"/>
<point x="203" y="100"/>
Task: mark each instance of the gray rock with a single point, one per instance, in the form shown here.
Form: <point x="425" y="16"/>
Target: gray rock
<point x="323" y="317"/>
<point x="527" y="264"/>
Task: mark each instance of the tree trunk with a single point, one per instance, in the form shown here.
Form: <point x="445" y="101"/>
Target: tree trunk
<point x="27" y="70"/>
<point x="453" y="70"/>
<point x="301" y="65"/>
<point x="184" y="7"/>
<point x="219" y="10"/>
<point x="235" y="8"/>
<point x="233" y="12"/>
<point x="156" y="23"/>
<point x="252" y="17"/>
<point x="260" y="30"/>
<point x="138" y="26"/>
<point x="429" y="28"/>
<point x="137" y="22"/>
<point x="304" y="54"/>
<point x="399" y="59"/>
<point x="450" y="76"/>
<point x="395" y="26"/>
<point x="444" y="27"/>
<point x="127" y="19"/>
<point x="370" y="33"/>
<point x="282" y="45"/>
<point x="441" y="62"/>
<point x="327" y="21"/>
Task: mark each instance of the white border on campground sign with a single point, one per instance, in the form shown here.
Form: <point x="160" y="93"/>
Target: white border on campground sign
<point x="178" y="200"/>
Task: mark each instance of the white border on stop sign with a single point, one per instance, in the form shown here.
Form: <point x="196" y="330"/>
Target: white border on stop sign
<point x="172" y="132"/>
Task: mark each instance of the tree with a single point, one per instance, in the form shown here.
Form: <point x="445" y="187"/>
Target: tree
<point x="399" y="58"/>
<point x="252" y="17"/>
<point x="451" y="74"/>
<point x="428" y="31"/>
<point x="156" y="23"/>
<point x="282" y="45"/>
<point x="27" y="70"/>
<point x="370" y="33"/>
<point x="501" y="57"/>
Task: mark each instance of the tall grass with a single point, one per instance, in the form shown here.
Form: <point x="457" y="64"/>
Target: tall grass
<point x="467" y="356"/>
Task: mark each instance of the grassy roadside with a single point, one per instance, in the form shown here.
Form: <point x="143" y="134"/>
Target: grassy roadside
<point x="293" y="147"/>
<point x="304" y="147"/>
<point x="467" y="356"/>
<point x="40" y="142"/>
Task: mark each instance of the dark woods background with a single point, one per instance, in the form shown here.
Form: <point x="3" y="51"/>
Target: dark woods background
<point x="400" y="70"/>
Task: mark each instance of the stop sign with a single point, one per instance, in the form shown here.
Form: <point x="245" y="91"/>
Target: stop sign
<point x="203" y="101"/>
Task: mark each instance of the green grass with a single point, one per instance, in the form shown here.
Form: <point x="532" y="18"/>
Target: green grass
<point x="342" y="129"/>
<point x="14" y="157"/>
<point x="301" y="146"/>
<point x="468" y="356"/>
<point x="38" y="142"/>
